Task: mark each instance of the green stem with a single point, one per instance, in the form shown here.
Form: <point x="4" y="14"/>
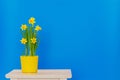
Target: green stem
<point x="26" y="51"/>
<point x="29" y="40"/>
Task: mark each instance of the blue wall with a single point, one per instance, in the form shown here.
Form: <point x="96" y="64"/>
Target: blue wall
<point x="83" y="35"/>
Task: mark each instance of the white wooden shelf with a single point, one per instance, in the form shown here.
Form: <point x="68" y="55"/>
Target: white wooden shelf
<point x="43" y="74"/>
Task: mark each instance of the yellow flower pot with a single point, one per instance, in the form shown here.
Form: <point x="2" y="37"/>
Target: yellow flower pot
<point x="29" y="64"/>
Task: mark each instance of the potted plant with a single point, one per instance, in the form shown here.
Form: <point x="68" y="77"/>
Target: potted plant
<point x="29" y="59"/>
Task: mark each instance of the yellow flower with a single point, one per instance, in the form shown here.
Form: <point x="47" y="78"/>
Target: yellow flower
<point x="23" y="41"/>
<point x="37" y="28"/>
<point x="33" y="40"/>
<point x="32" y="20"/>
<point x="24" y="27"/>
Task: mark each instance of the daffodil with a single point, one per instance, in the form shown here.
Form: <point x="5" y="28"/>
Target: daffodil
<point x="37" y="28"/>
<point x="33" y="40"/>
<point x="32" y="20"/>
<point x="23" y="41"/>
<point x="24" y="27"/>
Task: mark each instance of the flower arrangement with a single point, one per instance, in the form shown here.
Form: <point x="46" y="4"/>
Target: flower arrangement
<point x="29" y="37"/>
